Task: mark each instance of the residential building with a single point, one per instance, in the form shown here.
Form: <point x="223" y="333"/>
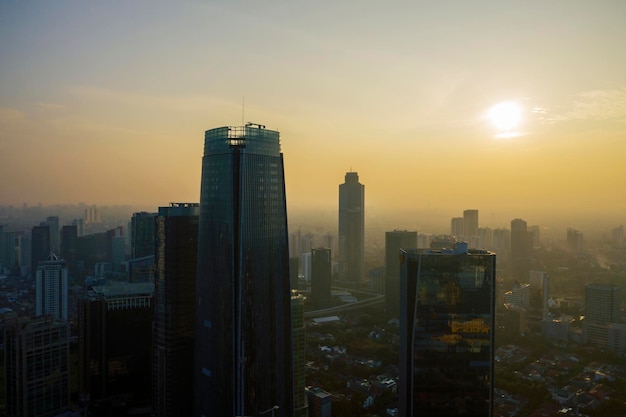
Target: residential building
<point x="51" y="288"/>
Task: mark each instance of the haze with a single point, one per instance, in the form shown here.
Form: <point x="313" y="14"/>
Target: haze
<point x="107" y="102"/>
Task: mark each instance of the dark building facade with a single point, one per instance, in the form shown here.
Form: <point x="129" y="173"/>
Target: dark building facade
<point x="394" y="241"/>
<point x="115" y="348"/>
<point x="142" y="234"/>
<point x="321" y="277"/>
<point x="521" y="245"/>
<point x="351" y="231"/>
<point x="446" y="332"/>
<point x="39" y="246"/>
<point x="174" y="309"/>
<point x="69" y="240"/>
<point x="243" y="356"/>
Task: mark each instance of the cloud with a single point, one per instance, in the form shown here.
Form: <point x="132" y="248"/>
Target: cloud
<point x="54" y="106"/>
<point x="596" y="105"/>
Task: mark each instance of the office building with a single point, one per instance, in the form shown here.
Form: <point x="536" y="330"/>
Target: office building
<point x="521" y="244"/>
<point x="470" y="224"/>
<point x="320" y="403"/>
<point x="243" y="362"/>
<point x="37" y="366"/>
<point x="457" y="227"/>
<point x="394" y="241"/>
<point x="40" y="246"/>
<point x="51" y="288"/>
<point x="299" y="356"/>
<point x="446" y="332"/>
<point x="53" y="223"/>
<point x="617" y="236"/>
<point x="574" y="240"/>
<point x="142" y="234"/>
<point x="602" y="303"/>
<point x="320" y="277"/>
<point x="69" y="240"/>
<point x="115" y="348"/>
<point x="351" y="231"/>
<point x="175" y="309"/>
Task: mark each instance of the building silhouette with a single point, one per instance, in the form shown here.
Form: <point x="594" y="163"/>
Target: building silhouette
<point x="175" y="308"/>
<point x="115" y="348"/>
<point x="457" y="227"/>
<point x="142" y="234"/>
<point x="574" y="240"/>
<point x="394" y="241"/>
<point x="446" y="332"/>
<point x="470" y="224"/>
<point x="39" y="246"/>
<point x="602" y="325"/>
<point x="243" y="355"/>
<point x="351" y="231"/>
<point x="51" y="288"/>
<point x="69" y="240"/>
<point x="53" y="223"/>
<point x="320" y="277"/>
<point x="37" y="360"/>
<point x="521" y="244"/>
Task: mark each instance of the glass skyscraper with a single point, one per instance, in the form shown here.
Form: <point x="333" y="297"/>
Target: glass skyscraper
<point x="446" y="332"/>
<point x="243" y="356"/>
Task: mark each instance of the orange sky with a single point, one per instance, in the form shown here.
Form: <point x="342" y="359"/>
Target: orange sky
<point x="107" y="104"/>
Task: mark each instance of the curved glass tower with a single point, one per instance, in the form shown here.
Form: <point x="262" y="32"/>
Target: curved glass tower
<point x="243" y="362"/>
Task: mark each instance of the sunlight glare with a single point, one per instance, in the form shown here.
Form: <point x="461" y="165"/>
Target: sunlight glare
<point x="505" y="116"/>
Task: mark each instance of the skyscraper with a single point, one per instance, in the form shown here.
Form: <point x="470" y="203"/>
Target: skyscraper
<point x="51" y="288"/>
<point x="351" y="230"/>
<point x="446" y="332"/>
<point x="142" y="234"/>
<point x="40" y="246"/>
<point x="394" y="241"/>
<point x="37" y="359"/>
<point x="175" y="309"/>
<point x="521" y="242"/>
<point x="320" y="277"/>
<point x="243" y="358"/>
<point x="299" y="355"/>
<point x="457" y="227"/>
<point x="470" y="224"/>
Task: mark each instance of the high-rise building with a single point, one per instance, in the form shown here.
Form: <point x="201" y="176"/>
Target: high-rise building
<point x="574" y="240"/>
<point x="40" y="246"/>
<point x="470" y="224"/>
<point x="394" y="241"/>
<point x="115" y="348"/>
<point x="351" y="230"/>
<point x="51" y="288"/>
<point x="142" y="234"/>
<point x="53" y="223"/>
<point x="457" y="227"/>
<point x="617" y="235"/>
<point x="446" y="332"/>
<point x="602" y="303"/>
<point x="80" y="227"/>
<point x="175" y="309"/>
<point x="243" y="356"/>
<point x="69" y="240"/>
<point x="320" y="403"/>
<point x="320" y="277"/>
<point x="521" y="244"/>
<point x="299" y="356"/>
<point x="37" y="366"/>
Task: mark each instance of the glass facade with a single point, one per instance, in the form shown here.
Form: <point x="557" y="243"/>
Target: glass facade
<point x="243" y="321"/>
<point x="446" y="332"/>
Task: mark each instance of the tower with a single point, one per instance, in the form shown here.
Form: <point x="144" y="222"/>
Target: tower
<point x="175" y="308"/>
<point x="394" y="241"/>
<point x="470" y="224"/>
<point x="520" y="248"/>
<point x="40" y="246"/>
<point x="351" y="230"/>
<point x="446" y="332"/>
<point x="142" y="235"/>
<point x="320" y="277"/>
<point x="51" y="288"/>
<point x="243" y="355"/>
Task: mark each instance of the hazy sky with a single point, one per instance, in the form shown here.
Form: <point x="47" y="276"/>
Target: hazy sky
<point x="107" y="102"/>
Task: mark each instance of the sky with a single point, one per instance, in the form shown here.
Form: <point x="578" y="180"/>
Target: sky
<point x="107" y="102"/>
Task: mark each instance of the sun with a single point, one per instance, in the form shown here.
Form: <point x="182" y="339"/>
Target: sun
<point x="505" y="116"/>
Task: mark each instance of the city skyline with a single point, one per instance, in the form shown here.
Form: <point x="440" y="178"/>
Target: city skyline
<point x="396" y="94"/>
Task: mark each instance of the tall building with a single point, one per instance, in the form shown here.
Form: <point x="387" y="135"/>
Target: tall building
<point x="37" y="366"/>
<point x="470" y="224"/>
<point x="457" y="227"/>
<point x="446" y="332"/>
<point x="243" y="355"/>
<point x="320" y="277"/>
<point x="299" y="356"/>
<point x="142" y="234"/>
<point x="320" y="403"/>
<point x="175" y="309"/>
<point x="69" y="240"/>
<point x="394" y="241"/>
<point x="351" y="230"/>
<point x="51" y="288"/>
<point x="53" y="223"/>
<point x="602" y="303"/>
<point x="574" y="240"/>
<point x="115" y="348"/>
<point x="521" y="244"/>
<point x="40" y="246"/>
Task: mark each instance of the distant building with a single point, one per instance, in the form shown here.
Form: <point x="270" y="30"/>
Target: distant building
<point x="502" y="243"/>
<point x="617" y="236"/>
<point x="51" y="288"/>
<point x="69" y="240"/>
<point x="37" y="366"/>
<point x="175" y="309"/>
<point x="457" y="227"/>
<point x="574" y="240"/>
<point x="142" y="234"/>
<point x="320" y="277"/>
<point x="294" y="279"/>
<point x="351" y="231"/>
<point x="320" y="403"/>
<point x="602" y="324"/>
<point x="485" y="236"/>
<point x="394" y="241"/>
<point x="521" y="245"/>
<point x="53" y="223"/>
<point x="470" y="224"/>
<point x="446" y="332"/>
<point x="115" y="347"/>
<point x="40" y="246"/>
<point x="519" y="296"/>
